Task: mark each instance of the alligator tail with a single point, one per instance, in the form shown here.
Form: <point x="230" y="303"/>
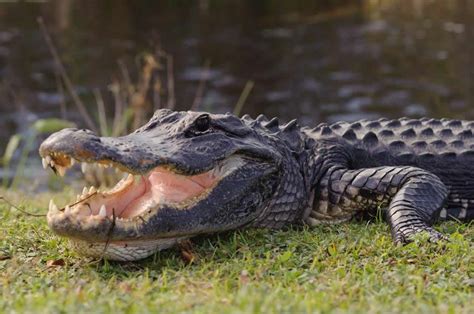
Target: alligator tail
<point x="463" y="212"/>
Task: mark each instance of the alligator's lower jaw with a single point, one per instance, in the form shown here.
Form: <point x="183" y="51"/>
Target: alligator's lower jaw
<point x="123" y="251"/>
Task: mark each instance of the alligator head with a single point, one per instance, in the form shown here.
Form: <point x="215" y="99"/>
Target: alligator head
<point x="189" y="173"/>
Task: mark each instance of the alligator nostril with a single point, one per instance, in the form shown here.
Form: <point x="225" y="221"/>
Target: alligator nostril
<point x="86" y="131"/>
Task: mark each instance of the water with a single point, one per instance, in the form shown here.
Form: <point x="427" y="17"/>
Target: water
<point x="344" y="61"/>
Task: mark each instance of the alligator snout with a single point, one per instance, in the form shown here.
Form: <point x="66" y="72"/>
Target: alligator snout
<point x="81" y="143"/>
<point x="69" y="145"/>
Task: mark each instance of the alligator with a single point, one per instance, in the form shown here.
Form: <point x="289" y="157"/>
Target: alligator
<point x="192" y="173"/>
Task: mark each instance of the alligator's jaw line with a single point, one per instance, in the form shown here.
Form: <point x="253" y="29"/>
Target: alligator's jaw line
<point x="131" y="199"/>
<point x="123" y="251"/>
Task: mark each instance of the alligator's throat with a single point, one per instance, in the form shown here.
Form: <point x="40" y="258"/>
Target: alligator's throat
<point x="134" y="195"/>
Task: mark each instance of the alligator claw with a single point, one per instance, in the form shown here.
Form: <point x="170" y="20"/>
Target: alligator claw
<point x="408" y="235"/>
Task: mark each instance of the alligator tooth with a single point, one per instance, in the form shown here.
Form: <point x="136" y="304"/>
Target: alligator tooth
<point x="45" y="163"/>
<point x="84" y="167"/>
<point x="67" y="209"/>
<point x="78" y="197"/>
<point x="92" y="190"/>
<point x="72" y="162"/>
<point x="102" y="211"/>
<point x="61" y="170"/>
<point x="52" y="206"/>
<point x="84" y="191"/>
<point x="52" y="163"/>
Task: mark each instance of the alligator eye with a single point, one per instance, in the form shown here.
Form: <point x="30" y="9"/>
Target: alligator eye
<point x="202" y="123"/>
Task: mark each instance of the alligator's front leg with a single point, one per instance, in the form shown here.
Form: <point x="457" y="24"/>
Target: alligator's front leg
<point x="411" y="198"/>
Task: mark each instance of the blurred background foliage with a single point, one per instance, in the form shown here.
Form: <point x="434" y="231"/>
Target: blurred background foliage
<point x="109" y="64"/>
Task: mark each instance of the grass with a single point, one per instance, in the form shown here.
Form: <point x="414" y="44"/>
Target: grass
<point x="347" y="268"/>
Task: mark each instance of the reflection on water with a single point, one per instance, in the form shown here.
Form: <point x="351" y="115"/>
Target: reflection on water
<point x="315" y="62"/>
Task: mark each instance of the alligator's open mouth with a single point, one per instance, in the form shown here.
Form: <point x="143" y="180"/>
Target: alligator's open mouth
<point x="135" y="195"/>
<point x="106" y="223"/>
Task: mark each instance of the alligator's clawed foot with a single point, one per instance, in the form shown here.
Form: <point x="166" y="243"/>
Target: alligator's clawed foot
<point x="408" y="235"/>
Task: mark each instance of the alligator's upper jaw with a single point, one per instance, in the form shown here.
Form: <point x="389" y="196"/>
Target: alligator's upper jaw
<point x="134" y="153"/>
<point x="130" y="154"/>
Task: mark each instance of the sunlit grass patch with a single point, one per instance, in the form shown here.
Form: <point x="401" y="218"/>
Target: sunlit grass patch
<point x="351" y="267"/>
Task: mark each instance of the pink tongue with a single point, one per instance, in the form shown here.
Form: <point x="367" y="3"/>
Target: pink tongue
<point x="164" y="186"/>
<point x="127" y="197"/>
<point x="170" y="187"/>
<point x="136" y="206"/>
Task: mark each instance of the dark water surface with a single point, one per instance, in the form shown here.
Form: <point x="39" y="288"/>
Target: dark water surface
<point x="312" y="60"/>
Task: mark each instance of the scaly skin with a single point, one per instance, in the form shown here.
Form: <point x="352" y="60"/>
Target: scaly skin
<point x="416" y="171"/>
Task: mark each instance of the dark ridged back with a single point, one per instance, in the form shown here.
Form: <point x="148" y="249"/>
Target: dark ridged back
<point x="405" y="141"/>
<point x="441" y="146"/>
